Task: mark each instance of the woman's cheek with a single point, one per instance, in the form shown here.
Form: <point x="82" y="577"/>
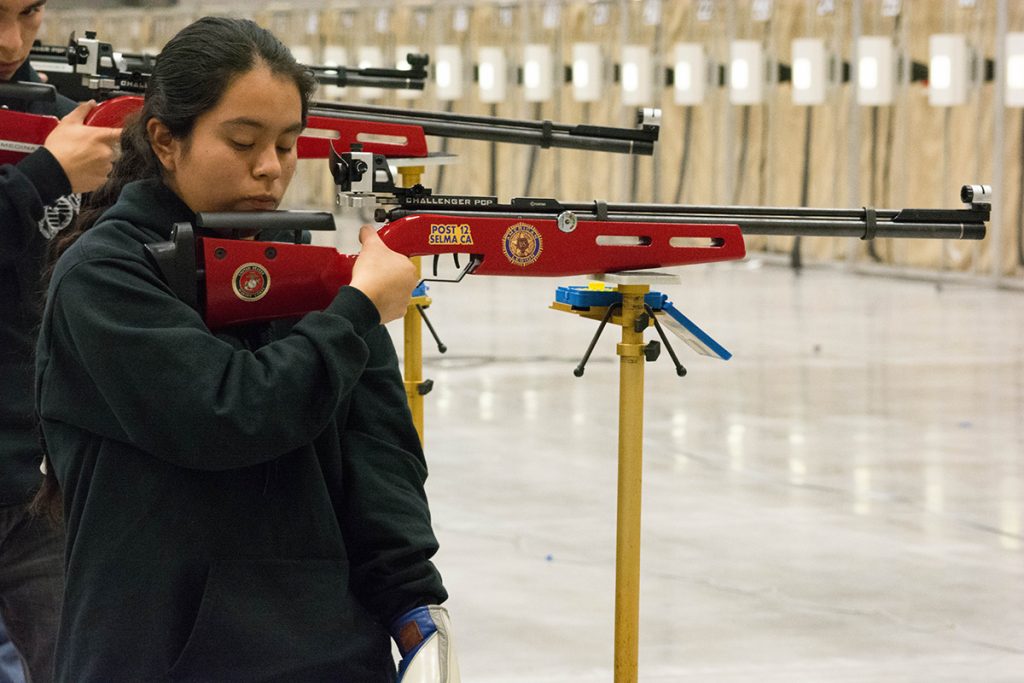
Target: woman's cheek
<point x="289" y="168"/>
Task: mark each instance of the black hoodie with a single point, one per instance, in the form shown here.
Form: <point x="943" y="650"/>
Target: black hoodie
<point x="240" y="506"/>
<point x="33" y="206"/>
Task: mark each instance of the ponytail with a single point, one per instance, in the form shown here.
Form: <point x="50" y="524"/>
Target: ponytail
<point x="135" y="162"/>
<point x="48" y="502"/>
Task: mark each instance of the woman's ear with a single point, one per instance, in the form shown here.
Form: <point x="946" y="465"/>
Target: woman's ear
<point x="164" y="145"/>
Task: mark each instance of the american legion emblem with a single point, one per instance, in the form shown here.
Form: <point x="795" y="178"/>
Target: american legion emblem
<point x="522" y="244"/>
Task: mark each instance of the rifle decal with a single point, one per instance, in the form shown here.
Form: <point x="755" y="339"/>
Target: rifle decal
<point x="450" y="233"/>
<point x="251" y="282"/>
<point x="522" y="244"/>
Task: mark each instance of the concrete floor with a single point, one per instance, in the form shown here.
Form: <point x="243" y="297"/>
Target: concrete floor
<point x="841" y="501"/>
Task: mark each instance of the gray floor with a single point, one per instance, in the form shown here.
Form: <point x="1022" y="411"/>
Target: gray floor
<point x="841" y="501"/>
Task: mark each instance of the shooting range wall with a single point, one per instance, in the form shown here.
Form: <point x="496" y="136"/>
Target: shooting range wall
<point x="838" y="153"/>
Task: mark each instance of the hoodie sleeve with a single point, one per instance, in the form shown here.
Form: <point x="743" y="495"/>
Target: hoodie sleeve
<point x="122" y="357"/>
<point x="385" y="516"/>
<point x="26" y="188"/>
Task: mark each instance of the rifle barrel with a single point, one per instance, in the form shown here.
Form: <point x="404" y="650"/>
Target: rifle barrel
<point x="383" y="81"/>
<point x="649" y="133"/>
<point x="730" y="210"/>
<point x="370" y="77"/>
<point x="800" y="227"/>
<point x="592" y="138"/>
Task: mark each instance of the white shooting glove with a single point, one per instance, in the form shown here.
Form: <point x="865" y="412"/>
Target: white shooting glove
<point x="424" y="638"/>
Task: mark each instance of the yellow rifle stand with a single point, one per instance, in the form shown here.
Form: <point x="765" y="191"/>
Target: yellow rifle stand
<point x="411" y="171"/>
<point x="632" y="354"/>
<point x="631" y="447"/>
<point x="413" y="356"/>
<point x="415" y="386"/>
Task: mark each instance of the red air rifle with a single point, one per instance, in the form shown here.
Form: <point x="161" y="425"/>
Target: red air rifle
<point x="234" y="281"/>
<point x="391" y="132"/>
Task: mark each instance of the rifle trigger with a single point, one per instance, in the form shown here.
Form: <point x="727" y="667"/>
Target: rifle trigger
<point x="456" y="261"/>
<point x="437" y="259"/>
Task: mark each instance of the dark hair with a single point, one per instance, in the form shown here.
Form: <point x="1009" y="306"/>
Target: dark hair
<point x="191" y="75"/>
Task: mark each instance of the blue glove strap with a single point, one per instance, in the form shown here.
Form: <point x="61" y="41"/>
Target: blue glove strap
<point x="411" y="630"/>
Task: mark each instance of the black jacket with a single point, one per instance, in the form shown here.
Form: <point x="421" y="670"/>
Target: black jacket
<point x="241" y="506"/>
<point x="27" y="190"/>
